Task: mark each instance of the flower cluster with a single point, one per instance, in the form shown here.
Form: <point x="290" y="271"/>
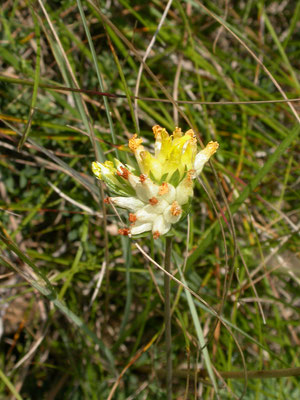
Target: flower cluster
<point x="159" y="196"/>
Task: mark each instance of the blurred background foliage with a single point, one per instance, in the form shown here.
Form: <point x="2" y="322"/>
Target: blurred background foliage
<point x="78" y="301"/>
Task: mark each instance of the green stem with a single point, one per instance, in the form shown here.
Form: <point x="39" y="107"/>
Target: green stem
<point x="168" y="334"/>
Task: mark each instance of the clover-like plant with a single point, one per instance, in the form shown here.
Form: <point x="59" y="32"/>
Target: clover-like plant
<point x="159" y="195"/>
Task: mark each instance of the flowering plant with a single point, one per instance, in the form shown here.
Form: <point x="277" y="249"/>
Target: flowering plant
<point x="160" y="195"/>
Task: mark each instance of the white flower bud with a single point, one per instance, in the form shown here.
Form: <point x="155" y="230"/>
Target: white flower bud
<point x="130" y="203"/>
<point x="160" y="226"/>
<point x="139" y="228"/>
<point x="173" y="213"/>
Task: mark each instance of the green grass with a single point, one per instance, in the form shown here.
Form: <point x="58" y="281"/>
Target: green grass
<point x="82" y="308"/>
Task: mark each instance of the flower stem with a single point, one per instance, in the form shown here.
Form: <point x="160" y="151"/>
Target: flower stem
<point x="168" y="335"/>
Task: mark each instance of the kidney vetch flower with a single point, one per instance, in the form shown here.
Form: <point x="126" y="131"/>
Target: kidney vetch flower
<point x="160" y="194"/>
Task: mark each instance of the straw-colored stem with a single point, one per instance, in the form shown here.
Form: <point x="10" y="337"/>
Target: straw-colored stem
<point x="168" y="334"/>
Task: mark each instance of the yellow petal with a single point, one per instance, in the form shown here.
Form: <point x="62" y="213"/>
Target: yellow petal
<point x="189" y="154"/>
<point x="211" y="148"/>
<point x="177" y="132"/>
<point x="150" y="164"/>
<point x="204" y="155"/>
<point x="96" y="170"/>
<point x="174" y="160"/>
<point x="163" y="142"/>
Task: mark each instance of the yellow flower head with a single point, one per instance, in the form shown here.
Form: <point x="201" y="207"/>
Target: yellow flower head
<point x="172" y="153"/>
<point x="155" y="197"/>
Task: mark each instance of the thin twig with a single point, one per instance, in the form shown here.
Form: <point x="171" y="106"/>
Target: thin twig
<point x="93" y="92"/>
<point x="74" y="202"/>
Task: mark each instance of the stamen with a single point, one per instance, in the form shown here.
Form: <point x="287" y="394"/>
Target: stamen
<point x="175" y="209"/>
<point x="106" y="200"/>
<point x="124" y="231"/>
<point x="124" y="172"/>
<point x="156" y="130"/>
<point x="153" y="201"/>
<point x="142" y="178"/>
<point x="190" y="133"/>
<point x="132" y="218"/>
<point x="191" y="175"/>
<point x="156" y="235"/>
<point x="163" y="189"/>
<point x="134" y="143"/>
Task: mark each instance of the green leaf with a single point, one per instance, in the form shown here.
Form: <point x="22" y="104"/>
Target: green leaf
<point x="175" y="178"/>
<point x="163" y="178"/>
